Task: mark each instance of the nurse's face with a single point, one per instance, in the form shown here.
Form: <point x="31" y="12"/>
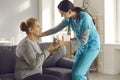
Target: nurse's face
<point x="66" y="15"/>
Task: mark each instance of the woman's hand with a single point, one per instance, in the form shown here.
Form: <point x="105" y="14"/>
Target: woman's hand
<point x="56" y="44"/>
<point x="60" y="42"/>
<point x="53" y="47"/>
<point x="65" y="43"/>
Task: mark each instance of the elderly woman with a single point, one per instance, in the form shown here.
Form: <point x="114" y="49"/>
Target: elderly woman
<point x="29" y="56"/>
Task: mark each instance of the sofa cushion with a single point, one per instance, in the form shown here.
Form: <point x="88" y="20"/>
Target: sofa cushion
<point x="42" y="77"/>
<point x="7" y="59"/>
<point x="50" y="77"/>
<point x="9" y="76"/>
<point x="62" y="73"/>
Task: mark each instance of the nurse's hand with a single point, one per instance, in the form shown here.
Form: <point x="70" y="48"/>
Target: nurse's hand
<point x="43" y="34"/>
<point x="63" y="43"/>
<point x="72" y="39"/>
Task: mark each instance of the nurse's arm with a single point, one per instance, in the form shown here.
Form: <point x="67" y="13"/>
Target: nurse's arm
<point x="83" y="40"/>
<point x="55" y="29"/>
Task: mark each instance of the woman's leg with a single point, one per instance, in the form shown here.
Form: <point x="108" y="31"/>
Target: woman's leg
<point x="82" y="63"/>
<point x="52" y="59"/>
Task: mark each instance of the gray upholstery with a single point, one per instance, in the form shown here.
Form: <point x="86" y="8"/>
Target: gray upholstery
<point x="62" y="73"/>
<point x="57" y="66"/>
<point x="7" y="59"/>
<point x="7" y="76"/>
<point x="7" y="62"/>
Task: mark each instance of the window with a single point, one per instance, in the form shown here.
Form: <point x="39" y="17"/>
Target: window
<point x="46" y="15"/>
<point x="48" y="9"/>
<point x="58" y="19"/>
<point x="118" y="21"/>
<point x="110" y="21"/>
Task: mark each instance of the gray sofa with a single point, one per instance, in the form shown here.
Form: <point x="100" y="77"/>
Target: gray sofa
<point x="58" y="67"/>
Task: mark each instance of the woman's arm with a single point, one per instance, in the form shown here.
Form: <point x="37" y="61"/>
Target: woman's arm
<point x="32" y="58"/>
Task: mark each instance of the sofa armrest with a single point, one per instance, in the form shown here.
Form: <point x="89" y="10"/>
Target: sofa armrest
<point x="65" y="62"/>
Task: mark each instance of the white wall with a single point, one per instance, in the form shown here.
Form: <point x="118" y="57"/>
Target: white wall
<point x="12" y="13"/>
<point x="112" y="59"/>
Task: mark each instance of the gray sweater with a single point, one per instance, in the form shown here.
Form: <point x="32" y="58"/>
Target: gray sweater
<point x="29" y="58"/>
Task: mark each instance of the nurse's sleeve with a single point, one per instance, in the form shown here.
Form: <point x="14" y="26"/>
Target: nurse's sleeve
<point x="59" y="27"/>
<point x="83" y="40"/>
<point x="56" y="29"/>
<point x="87" y="20"/>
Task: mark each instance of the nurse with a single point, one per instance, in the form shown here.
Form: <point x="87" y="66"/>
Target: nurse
<point x="87" y="38"/>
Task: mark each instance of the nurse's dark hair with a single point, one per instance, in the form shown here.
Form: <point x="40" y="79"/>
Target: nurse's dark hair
<point x="66" y="5"/>
<point x="25" y="25"/>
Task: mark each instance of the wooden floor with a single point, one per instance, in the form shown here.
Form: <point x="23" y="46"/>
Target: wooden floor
<point x="100" y="76"/>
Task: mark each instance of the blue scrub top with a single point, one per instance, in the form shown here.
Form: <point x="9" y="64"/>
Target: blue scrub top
<point x="84" y="22"/>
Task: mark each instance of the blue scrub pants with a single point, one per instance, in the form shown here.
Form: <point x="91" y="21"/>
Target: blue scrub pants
<point x="82" y="62"/>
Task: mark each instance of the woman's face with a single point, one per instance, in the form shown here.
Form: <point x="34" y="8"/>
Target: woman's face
<point x="66" y="15"/>
<point x="36" y="29"/>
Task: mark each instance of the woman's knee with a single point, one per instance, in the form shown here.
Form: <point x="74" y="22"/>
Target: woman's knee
<point x="62" y="49"/>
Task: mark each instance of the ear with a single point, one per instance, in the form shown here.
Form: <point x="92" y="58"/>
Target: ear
<point x="30" y="30"/>
<point x="70" y="11"/>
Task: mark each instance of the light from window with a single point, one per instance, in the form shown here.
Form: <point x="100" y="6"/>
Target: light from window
<point x="25" y="6"/>
<point x="118" y="21"/>
<point x="110" y="21"/>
